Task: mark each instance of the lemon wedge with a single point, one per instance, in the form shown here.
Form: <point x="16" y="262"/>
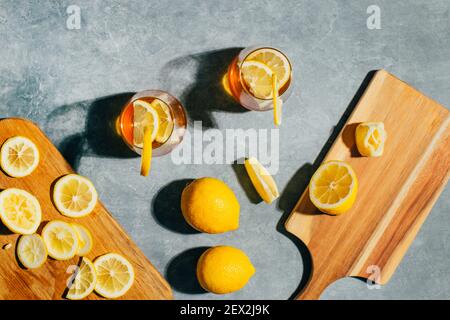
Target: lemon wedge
<point x="165" y="124"/>
<point x="85" y="241"/>
<point x="276" y="61"/>
<point x="75" y="196"/>
<point x="115" y="275"/>
<point x="60" y="239"/>
<point x="144" y="117"/>
<point x="370" y="138"/>
<point x="20" y="211"/>
<point x="83" y="281"/>
<point x="31" y="251"/>
<point x="19" y="157"/>
<point x="261" y="180"/>
<point x="333" y="187"/>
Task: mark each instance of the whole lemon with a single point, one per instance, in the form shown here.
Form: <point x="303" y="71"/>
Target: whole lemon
<point x="224" y="269"/>
<point x="210" y="206"/>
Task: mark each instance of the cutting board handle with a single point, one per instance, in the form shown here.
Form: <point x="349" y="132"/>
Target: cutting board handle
<point x="314" y="287"/>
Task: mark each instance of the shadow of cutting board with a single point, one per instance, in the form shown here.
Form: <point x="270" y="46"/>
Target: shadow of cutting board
<point x="396" y="191"/>
<point x="49" y="281"/>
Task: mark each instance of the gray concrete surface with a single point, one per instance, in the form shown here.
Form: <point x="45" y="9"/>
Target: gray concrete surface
<point x="59" y="78"/>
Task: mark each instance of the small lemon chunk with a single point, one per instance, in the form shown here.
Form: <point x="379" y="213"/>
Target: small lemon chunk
<point x="370" y="138"/>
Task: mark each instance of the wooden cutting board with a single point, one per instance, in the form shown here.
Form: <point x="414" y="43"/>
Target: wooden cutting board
<point x="396" y="192"/>
<point x="49" y="281"/>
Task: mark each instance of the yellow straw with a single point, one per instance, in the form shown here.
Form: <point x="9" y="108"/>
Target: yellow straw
<point x="146" y="159"/>
<point x="276" y="112"/>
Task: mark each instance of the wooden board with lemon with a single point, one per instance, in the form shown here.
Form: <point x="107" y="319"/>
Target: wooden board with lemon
<point x="58" y="241"/>
<point x="377" y="184"/>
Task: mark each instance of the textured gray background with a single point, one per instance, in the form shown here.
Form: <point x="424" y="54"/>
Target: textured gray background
<point x="59" y="78"/>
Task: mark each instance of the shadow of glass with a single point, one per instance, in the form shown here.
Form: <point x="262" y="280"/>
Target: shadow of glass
<point x="207" y="93"/>
<point x="298" y="184"/>
<point x="166" y="207"/>
<point x="245" y="182"/>
<point x="97" y="134"/>
<point x="181" y="271"/>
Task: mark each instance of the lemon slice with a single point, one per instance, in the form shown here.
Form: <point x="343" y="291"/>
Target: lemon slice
<point x="115" y="275"/>
<point x="83" y="281"/>
<point x="85" y="241"/>
<point x="31" y="251"/>
<point x="74" y="196"/>
<point x="144" y="116"/>
<point x="61" y="240"/>
<point x="276" y="61"/>
<point x="19" y="157"/>
<point x="258" y="78"/>
<point x="370" y="138"/>
<point x="165" y="125"/>
<point x="261" y="180"/>
<point x="333" y="187"/>
<point x="20" y="211"/>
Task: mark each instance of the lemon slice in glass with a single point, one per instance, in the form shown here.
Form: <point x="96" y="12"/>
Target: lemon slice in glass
<point x="275" y="60"/>
<point x="31" y="251"/>
<point x="19" y="157"/>
<point x="60" y="239"/>
<point x="258" y="79"/>
<point x="165" y="124"/>
<point x="333" y="187"/>
<point x="83" y="281"/>
<point x="370" y="138"/>
<point x="144" y="117"/>
<point x="85" y="240"/>
<point x="115" y="275"/>
<point x="74" y="196"/>
<point x="20" y="211"/>
<point x="261" y="180"/>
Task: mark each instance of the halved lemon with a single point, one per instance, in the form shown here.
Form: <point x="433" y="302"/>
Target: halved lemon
<point x="74" y="196"/>
<point x="275" y="60"/>
<point x="261" y="180"/>
<point x="60" y="239"/>
<point x="85" y="240"/>
<point x="115" y="275"/>
<point x="370" y="138"/>
<point x="145" y="117"/>
<point x="333" y="187"/>
<point x="20" y="211"/>
<point x="165" y="125"/>
<point x="83" y="281"/>
<point x="31" y="251"/>
<point x="19" y="157"/>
